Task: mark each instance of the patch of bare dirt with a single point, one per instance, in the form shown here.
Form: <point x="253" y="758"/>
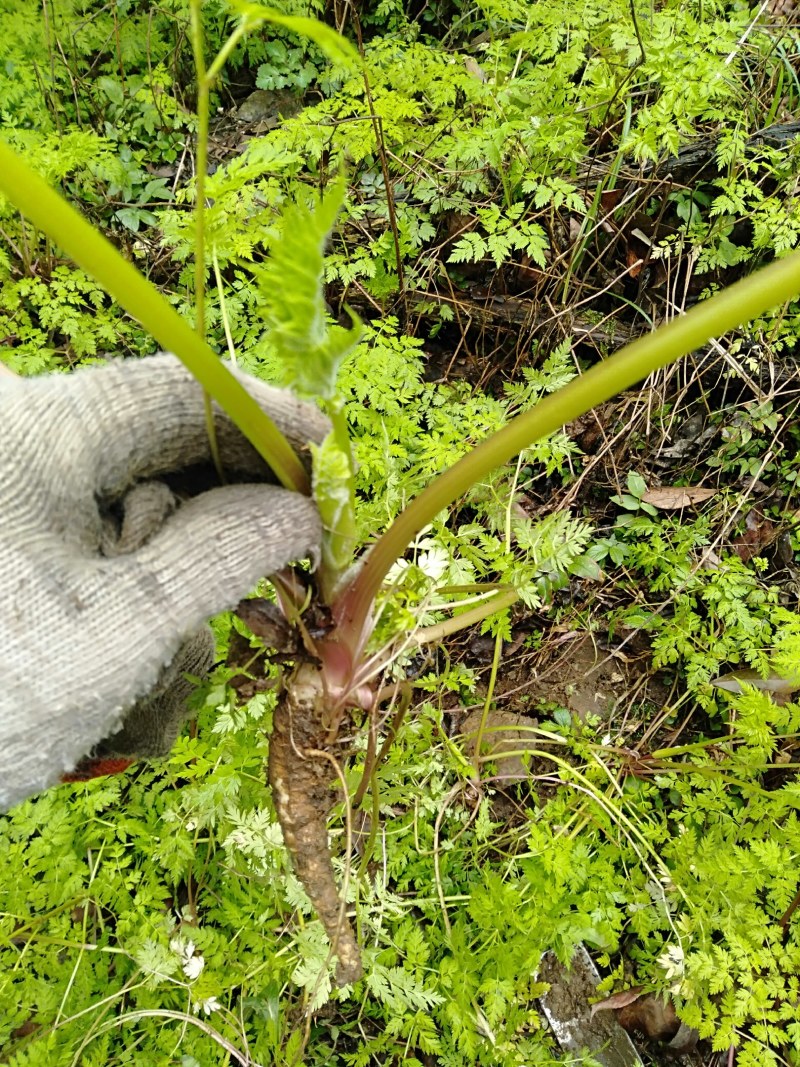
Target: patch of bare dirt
<point x="573" y="672"/>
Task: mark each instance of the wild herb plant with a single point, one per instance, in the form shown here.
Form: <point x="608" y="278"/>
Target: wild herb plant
<point x="155" y="903"/>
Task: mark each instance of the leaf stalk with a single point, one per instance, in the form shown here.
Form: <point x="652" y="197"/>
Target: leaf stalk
<point x="51" y="213"/>
<point x="739" y="303"/>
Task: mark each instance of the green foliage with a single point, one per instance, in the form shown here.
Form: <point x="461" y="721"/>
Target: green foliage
<point x="746" y="436"/>
<point x="720" y="610"/>
<point x="733" y="961"/>
<point x="253" y="15"/>
<point x="165" y="891"/>
<point x="503" y="235"/>
<point x="170" y="890"/>
<point x="65" y="319"/>
<point x="169" y="887"/>
<point x="308" y="351"/>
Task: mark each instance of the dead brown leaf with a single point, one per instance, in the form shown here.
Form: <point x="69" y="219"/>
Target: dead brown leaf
<point x="618" y="1000"/>
<point x="759" y="532"/>
<point x="634" y="262"/>
<point x="776" y="684"/>
<point x="672" y="497"/>
<point x="475" y="69"/>
<point x="609" y="199"/>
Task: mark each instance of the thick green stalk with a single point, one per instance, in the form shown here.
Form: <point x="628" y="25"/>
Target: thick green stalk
<point x="337" y="508"/>
<point x="503" y="599"/>
<point x="739" y="303"/>
<point x="47" y="210"/>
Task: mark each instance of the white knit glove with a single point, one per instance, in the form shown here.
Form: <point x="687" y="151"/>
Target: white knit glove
<point x="105" y="580"/>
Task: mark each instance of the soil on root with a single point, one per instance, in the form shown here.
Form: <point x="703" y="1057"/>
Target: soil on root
<point x="301" y="770"/>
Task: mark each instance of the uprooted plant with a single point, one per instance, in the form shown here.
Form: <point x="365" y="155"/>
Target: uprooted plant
<point x="332" y="624"/>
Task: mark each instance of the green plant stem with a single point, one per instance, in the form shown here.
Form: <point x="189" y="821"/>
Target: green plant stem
<point x="439" y="630"/>
<point x="226" y="50"/>
<point x="737" y="304"/>
<point x="47" y="210"/>
<point x="339" y="541"/>
<point x="201" y="166"/>
<point x="223" y="308"/>
<point x="498" y="640"/>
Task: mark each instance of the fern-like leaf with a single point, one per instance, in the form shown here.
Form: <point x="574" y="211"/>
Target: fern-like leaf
<point x="309" y="350"/>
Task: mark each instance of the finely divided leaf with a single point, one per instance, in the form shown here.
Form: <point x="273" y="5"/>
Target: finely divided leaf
<point x="310" y="351"/>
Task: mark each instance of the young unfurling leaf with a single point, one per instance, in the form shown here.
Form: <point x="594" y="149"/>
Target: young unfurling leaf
<point x="309" y="350"/>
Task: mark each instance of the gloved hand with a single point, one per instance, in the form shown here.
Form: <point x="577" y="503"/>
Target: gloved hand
<point x="105" y="580"/>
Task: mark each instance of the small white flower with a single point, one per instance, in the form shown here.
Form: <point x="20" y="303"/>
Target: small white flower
<point x="434" y="562"/>
<point x="672" y="962"/>
<point x="397" y="571"/>
<point x="192" y="967"/>
<point x="208" y="1005"/>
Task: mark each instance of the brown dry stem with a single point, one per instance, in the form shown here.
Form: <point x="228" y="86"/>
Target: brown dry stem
<point x="300" y="775"/>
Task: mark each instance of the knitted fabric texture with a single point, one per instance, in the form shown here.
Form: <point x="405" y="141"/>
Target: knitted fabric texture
<point x="89" y="625"/>
<point x="152" y="725"/>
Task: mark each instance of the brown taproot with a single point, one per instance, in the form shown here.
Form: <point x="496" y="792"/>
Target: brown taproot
<point x="301" y="774"/>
